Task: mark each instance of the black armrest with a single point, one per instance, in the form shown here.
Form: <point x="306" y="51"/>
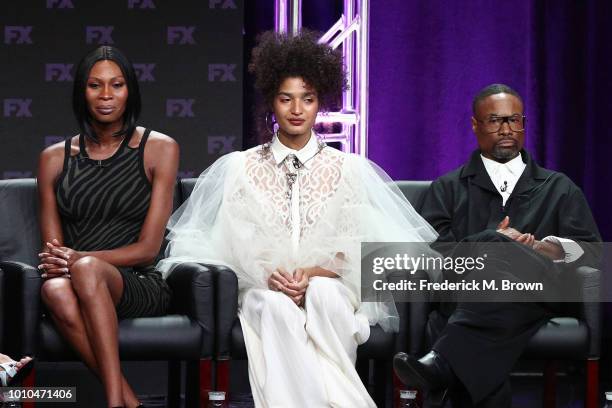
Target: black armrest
<point x="22" y="293"/>
<point x="226" y="312"/>
<point x="192" y="287"/>
<point x="590" y="310"/>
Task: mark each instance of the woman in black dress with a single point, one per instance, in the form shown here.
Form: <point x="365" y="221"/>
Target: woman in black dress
<point x="105" y="197"/>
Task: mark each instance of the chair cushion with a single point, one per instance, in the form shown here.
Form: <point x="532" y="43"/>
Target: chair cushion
<point x="19" y="232"/>
<point x="172" y="337"/>
<point x="561" y="337"/>
<point x="238" y="351"/>
<point x="380" y="345"/>
<point x="414" y="191"/>
<point x="187" y="186"/>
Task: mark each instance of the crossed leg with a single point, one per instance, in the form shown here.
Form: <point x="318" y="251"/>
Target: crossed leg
<point x="83" y="309"/>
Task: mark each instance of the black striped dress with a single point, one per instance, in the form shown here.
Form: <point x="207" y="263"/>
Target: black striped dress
<point x="103" y="205"/>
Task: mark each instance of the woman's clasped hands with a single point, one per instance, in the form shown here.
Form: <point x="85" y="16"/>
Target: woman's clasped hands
<point x="293" y="285"/>
<point x="56" y="260"/>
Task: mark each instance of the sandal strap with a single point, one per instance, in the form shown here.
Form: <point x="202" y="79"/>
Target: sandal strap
<point x="9" y="368"/>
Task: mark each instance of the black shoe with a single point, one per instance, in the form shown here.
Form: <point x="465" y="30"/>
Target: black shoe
<point x="431" y="372"/>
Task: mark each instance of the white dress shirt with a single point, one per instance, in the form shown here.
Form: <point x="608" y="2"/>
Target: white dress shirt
<point x="504" y="177"/>
<point x="280" y="153"/>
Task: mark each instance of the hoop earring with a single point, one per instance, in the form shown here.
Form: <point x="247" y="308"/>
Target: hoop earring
<point x="270" y="122"/>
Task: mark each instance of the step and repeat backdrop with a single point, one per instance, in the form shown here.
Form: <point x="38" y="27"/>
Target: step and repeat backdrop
<point x="187" y="54"/>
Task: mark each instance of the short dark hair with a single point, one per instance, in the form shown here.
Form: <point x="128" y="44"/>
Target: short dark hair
<point x="279" y="56"/>
<point x="493" y="89"/>
<point x="79" y="102"/>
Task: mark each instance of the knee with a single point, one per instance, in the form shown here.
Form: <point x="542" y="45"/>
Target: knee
<point x="322" y="293"/>
<point x="54" y="291"/>
<point x="86" y="277"/>
<point x="279" y="307"/>
<point x="59" y="297"/>
<point x="85" y="265"/>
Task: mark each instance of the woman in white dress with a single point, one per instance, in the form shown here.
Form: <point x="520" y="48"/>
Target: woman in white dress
<point x="288" y="217"/>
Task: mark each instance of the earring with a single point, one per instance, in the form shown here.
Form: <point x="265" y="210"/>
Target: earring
<point x="270" y="122"/>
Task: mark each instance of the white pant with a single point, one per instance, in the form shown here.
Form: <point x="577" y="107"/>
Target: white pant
<point x="304" y="357"/>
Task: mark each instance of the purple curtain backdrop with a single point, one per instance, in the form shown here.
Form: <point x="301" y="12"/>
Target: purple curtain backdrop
<point x="429" y="58"/>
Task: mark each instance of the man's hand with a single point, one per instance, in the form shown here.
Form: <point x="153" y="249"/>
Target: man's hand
<point x="505" y="223"/>
<point x="549" y="249"/>
<point x="526" y="239"/>
<point x="504" y="228"/>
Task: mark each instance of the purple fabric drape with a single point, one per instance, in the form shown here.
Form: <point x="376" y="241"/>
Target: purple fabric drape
<point x="429" y="58"/>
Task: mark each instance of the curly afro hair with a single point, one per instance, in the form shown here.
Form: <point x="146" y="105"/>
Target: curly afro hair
<point x="281" y="56"/>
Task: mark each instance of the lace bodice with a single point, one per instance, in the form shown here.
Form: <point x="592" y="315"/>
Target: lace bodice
<point x="317" y="184"/>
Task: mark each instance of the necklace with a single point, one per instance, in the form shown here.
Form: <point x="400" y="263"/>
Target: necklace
<point x="292" y="164"/>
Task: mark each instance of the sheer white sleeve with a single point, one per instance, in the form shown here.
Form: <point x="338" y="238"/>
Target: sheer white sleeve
<point x="194" y="228"/>
<point x="239" y="215"/>
<point x="366" y="207"/>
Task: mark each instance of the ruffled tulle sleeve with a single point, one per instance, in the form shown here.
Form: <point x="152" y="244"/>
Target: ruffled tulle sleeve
<point x="195" y="233"/>
<point x="367" y="207"/>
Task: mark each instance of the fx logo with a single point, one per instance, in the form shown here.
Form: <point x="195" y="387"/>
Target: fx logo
<point x="181" y="35"/>
<point x="99" y="35"/>
<point x="221" y="144"/>
<point x="142" y="4"/>
<point x="58" y="72"/>
<point x="19" y="108"/>
<point x="17" y="35"/>
<point x="60" y="4"/>
<point x="144" y="72"/>
<point x="225" y="4"/>
<point x="181" y="174"/>
<point x="15" y="174"/>
<point x="51" y="139"/>
<point x="225" y="72"/>
<point x="182" y="108"/>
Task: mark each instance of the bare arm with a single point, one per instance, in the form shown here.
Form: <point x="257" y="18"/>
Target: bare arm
<point x="50" y="166"/>
<point x="318" y="271"/>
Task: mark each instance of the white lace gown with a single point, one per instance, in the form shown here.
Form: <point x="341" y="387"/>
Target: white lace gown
<point x="244" y="214"/>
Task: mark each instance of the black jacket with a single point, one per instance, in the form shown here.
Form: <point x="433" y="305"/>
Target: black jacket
<point x="544" y="202"/>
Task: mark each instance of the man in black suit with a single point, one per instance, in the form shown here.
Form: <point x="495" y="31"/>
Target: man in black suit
<point x="499" y="195"/>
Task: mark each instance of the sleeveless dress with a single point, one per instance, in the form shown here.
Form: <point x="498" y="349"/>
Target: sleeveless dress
<point x="103" y="205"/>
